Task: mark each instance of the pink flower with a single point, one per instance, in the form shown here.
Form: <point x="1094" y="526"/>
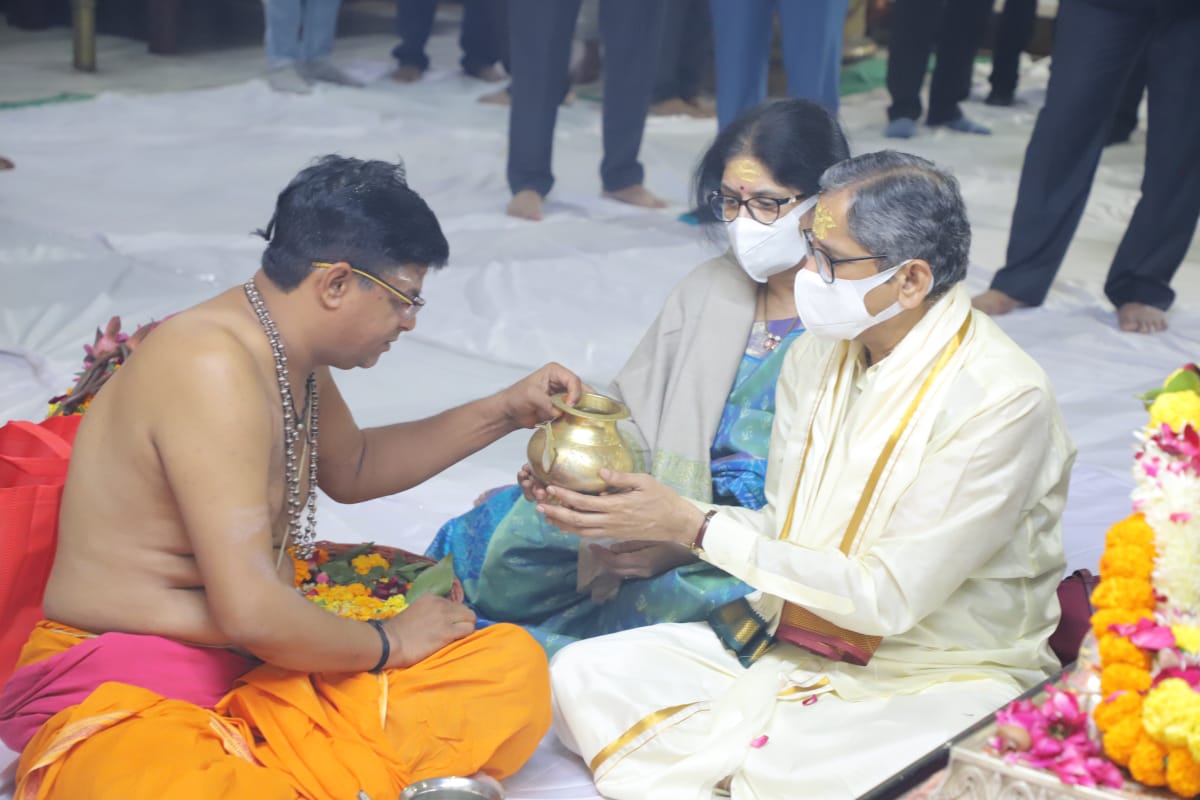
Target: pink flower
<point x="1189" y="674"/>
<point x="1147" y="634"/>
<point x="106" y="343"/>
<point x="1181" y="516"/>
<point x="758" y="741"/>
<point x="322" y="577"/>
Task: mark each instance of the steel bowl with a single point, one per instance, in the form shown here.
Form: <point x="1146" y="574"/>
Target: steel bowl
<point x="451" y="789"/>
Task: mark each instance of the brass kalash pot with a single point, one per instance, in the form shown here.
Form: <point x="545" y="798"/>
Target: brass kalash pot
<point x="571" y="450"/>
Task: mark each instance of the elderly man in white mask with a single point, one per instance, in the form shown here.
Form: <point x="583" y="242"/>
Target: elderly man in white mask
<point x="906" y="560"/>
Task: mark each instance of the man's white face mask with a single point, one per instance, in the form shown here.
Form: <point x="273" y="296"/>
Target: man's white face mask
<point x="838" y="310"/>
<point x="766" y="250"/>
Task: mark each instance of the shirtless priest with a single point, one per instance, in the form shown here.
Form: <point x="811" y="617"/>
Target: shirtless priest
<point x="908" y="554"/>
<point x="176" y="660"/>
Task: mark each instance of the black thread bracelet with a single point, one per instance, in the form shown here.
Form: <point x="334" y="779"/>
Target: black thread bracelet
<point x="387" y="646"/>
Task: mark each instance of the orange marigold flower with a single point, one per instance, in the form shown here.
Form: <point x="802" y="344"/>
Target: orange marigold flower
<point x="1116" y="708"/>
<point x="1148" y="762"/>
<point x="302" y="572"/>
<point x="1123" y="678"/>
<point x="1116" y="649"/>
<point x="1126" y="561"/>
<point x="1120" y="739"/>
<point x="1132" y="531"/>
<point x="321" y="555"/>
<point x="1124" y="593"/>
<point x="1183" y="773"/>
<point x="1105" y="617"/>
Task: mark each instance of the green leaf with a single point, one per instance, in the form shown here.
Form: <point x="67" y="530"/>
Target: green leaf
<point x="361" y="550"/>
<point x="339" y="572"/>
<point x="438" y="580"/>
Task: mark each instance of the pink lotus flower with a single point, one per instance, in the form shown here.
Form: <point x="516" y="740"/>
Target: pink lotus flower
<point x="106" y="343"/>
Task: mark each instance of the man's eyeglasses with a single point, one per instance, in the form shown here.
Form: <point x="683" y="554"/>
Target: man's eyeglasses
<point x="412" y="303"/>
<point x="825" y="263"/>
<point x="762" y="209"/>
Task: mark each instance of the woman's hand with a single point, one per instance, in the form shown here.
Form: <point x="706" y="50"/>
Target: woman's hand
<point x="531" y="486"/>
<point x="636" y="507"/>
<point x="642" y="559"/>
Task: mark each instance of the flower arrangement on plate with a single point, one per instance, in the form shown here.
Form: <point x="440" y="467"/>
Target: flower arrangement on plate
<point x="1145" y="714"/>
<point x="103" y="358"/>
<point x="370" y="581"/>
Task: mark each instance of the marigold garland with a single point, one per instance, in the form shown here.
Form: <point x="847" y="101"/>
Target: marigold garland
<point x="1147" y="638"/>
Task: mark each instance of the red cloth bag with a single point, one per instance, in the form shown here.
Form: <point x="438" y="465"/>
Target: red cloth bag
<point x="33" y="469"/>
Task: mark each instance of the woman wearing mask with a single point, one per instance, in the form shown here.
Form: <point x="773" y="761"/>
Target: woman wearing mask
<point x="700" y="387"/>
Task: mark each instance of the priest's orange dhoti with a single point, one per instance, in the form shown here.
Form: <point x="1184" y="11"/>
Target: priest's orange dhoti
<point x="479" y="704"/>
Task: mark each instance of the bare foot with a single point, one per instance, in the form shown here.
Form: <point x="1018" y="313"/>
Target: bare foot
<point x="407" y="73"/>
<point x="587" y="68"/>
<point x="526" y="204"/>
<point x="674" y="107"/>
<point x="1141" y="318"/>
<point x="500" y="98"/>
<point x="6" y="163"/>
<point x="996" y="303"/>
<point x="489" y="74"/>
<point x="637" y="195"/>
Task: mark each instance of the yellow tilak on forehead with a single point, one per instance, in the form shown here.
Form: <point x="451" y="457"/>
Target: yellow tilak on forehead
<point x="745" y="169"/>
<point x="822" y="221"/>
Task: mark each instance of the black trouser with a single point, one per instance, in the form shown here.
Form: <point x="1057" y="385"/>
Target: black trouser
<point x="1125" y="120"/>
<point x="957" y="27"/>
<point x="1097" y="44"/>
<point x="480" y="38"/>
<point x="540" y="43"/>
<point x="685" y="57"/>
<point x="1013" y="30"/>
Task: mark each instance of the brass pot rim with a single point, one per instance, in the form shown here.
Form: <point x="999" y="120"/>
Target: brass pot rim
<point x="619" y="412"/>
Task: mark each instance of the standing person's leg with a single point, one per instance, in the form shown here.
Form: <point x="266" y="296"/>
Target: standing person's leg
<point x="630" y="31"/>
<point x="540" y="53"/>
<point x="915" y="24"/>
<point x="670" y="49"/>
<point x="696" y="53"/>
<point x="742" y="53"/>
<point x="1125" y="121"/>
<point x="281" y="41"/>
<point x="1164" y="221"/>
<point x="1012" y="35"/>
<point x="1094" y="48"/>
<point x="480" y="39"/>
<point x="812" y="48"/>
<point x="320" y="30"/>
<point x="414" y="22"/>
<point x="964" y="23"/>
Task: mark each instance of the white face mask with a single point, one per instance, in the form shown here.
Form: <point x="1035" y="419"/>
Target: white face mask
<point x="838" y="310"/>
<point x="765" y="250"/>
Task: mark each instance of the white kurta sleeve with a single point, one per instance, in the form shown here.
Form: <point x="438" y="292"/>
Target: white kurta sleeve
<point x="977" y="493"/>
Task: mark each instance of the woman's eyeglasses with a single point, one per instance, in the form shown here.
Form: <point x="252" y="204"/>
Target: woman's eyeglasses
<point x="762" y="209"/>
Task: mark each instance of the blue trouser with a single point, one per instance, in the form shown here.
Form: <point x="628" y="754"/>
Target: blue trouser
<point x="541" y="33"/>
<point x="479" y="37"/>
<point x="299" y="31"/>
<point x="812" y="51"/>
<point x="1097" y="44"/>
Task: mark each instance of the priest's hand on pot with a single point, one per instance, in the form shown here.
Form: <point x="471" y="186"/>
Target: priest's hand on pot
<point x="528" y="401"/>
<point x="636" y="507"/>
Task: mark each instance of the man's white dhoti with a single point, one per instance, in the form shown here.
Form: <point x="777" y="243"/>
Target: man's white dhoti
<point x="670" y="728"/>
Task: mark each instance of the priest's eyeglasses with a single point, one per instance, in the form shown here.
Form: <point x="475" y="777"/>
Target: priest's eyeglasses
<point x="765" y="210"/>
<point x="825" y="262"/>
<point x="412" y="303"/>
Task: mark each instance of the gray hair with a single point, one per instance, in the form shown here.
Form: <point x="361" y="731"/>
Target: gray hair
<point x="903" y="206"/>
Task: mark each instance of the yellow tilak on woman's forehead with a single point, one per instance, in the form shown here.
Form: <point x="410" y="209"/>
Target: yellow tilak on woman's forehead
<point x="822" y="221"/>
<point x="745" y="169"/>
